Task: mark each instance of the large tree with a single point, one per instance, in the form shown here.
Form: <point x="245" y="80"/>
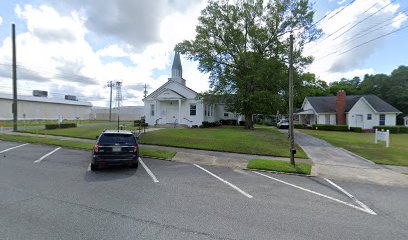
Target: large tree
<point x="244" y="46"/>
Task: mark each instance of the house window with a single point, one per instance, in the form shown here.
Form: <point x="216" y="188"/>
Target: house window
<point x="369" y="117"/>
<point x="205" y="110"/>
<point x="193" y="109"/>
<point x="225" y="114"/>
<point x="327" y="119"/>
<point x="382" y="119"/>
<point x="151" y="109"/>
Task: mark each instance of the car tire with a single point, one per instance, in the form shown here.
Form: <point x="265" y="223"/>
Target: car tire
<point x="135" y="165"/>
<point x="94" y="167"/>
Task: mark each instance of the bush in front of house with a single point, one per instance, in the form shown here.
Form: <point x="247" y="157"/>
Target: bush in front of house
<point x="356" y="129"/>
<point x="207" y="124"/>
<point x="241" y="123"/>
<point x="62" y="125"/>
<point x="393" y="129"/>
<point x="299" y="126"/>
<point x="228" y="122"/>
<point x="139" y="123"/>
<point x="327" y="127"/>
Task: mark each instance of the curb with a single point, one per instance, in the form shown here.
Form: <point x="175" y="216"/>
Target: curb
<point x="158" y="158"/>
<point x="284" y="173"/>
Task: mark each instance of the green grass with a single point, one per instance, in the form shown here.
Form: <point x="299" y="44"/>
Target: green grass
<point x="363" y="144"/>
<point x="261" y="141"/>
<point x="86" y="132"/>
<point x="153" y="152"/>
<point x="144" y="152"/>
<point x="279" y="166"/>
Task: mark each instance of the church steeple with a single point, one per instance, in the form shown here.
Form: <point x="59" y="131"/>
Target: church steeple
<point x="176" y="69"/>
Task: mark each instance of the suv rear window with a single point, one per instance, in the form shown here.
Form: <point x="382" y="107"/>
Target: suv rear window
<point x="115" y="138"/>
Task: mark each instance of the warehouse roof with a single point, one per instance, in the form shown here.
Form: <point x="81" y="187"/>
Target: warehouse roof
<point x="44" y="100"/>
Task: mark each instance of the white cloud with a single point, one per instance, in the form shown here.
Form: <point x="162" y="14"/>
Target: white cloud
<point x="112" y="51"/>
<point x="1" y="20"/>
<point x="332" y="58"/>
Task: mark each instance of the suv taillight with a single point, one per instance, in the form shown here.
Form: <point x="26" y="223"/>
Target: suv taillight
<point x="96" y="148"/>
<point x="135" y="148"/>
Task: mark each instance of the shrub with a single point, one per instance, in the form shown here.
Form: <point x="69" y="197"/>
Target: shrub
<point x="194" y="126"/>
<point x="327" y="127"/>
<point x="299" y="126"/>
<point x="139" y="123"/>
<point x="62" y="125"/>
<point x="393" y="129"/>
<point x="228" y="122"/>
<point x="269" y="124"/>
<point x="356" y="129"/>
<point x="207" y="124"/>
<point x="241" y="123"/>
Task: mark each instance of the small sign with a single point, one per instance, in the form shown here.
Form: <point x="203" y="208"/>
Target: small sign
<point x="382" y="136"/>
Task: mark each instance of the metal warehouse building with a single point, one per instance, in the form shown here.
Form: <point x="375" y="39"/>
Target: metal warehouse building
<point x="32" y="107"/>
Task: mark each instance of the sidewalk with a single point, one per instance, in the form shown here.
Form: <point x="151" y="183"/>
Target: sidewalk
<point x="204" y="157"/>
<point x="338" y="163"/>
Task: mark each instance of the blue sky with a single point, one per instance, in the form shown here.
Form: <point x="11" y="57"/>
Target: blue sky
<point x="76" y="46"/>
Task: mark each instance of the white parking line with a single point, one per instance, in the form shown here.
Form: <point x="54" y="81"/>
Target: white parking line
<point x="225" y="181"/>
<point x="46" y="155"/>
<point x="351" y="196"/>
<point x="8" y="149"/>
<point x="148" y="171"/>
<point x="89" y="168"/>
<point x="319" y="194"/>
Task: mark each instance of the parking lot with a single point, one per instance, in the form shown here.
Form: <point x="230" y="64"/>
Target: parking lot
<point x="50" y="193"/>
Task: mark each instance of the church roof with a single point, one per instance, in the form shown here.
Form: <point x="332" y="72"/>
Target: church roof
<point x="176" y="62"/>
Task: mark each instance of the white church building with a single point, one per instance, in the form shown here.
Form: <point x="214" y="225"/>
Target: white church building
<point x="174" y="104"/>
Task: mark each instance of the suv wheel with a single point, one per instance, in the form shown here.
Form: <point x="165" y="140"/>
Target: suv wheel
<point x="94" y="167"/>
<point x="135" y="165"/>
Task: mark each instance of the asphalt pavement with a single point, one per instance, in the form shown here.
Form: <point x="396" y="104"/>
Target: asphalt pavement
<point x="50" y="193"/>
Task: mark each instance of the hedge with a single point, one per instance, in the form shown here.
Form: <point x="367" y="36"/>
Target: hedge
<point x="241" y="123"/>
<point x="207" y="124"/>
<point x="299" y="126"/>
<point x="393" y="129"/>
<point x="228" y="122"/>
<point x="327" y="127"/>
<point x="62" y="125"/>
<point x="356" y="129"/>
<point x="139" y="123"/>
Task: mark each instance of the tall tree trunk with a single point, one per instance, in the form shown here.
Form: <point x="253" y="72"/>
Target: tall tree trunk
<point x="248" y="121"/>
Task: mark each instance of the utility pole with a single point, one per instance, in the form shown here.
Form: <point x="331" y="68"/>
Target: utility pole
<point x="145" y="91"/>
<point x="118" y="102"/>
<point x="14" y="73"/>
<point x="291" y="137"/>
<point x="110" y="84"/>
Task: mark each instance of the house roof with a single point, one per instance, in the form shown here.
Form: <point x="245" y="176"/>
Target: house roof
<point x="327" y="104"/>
<point x="45" y="100"/>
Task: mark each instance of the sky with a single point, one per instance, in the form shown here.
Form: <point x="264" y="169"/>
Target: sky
<point x="75" y="47"/>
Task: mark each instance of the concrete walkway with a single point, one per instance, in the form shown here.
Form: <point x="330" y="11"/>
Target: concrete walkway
<point x="338" y="163"/>
<point x="204" y="157"/>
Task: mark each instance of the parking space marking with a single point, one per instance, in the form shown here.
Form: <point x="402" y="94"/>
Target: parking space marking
<point x="89" y="168"/>
<point x="46" y="155"/>
<point x="148" y="171"/>
<point x="225" y="181"/>
<point x="351" y="196"/>
<point x="8" y="149"/>
<point x="319" y="194"/>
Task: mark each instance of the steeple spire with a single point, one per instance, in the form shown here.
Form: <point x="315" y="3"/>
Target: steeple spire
<point x="176" y="69"/>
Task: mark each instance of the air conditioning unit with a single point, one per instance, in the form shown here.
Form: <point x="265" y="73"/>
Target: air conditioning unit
<point x="39" y="93"/>
<point x="71" y="98"/>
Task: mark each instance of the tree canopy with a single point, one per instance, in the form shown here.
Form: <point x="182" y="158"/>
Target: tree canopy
<point x="244" y="46"/>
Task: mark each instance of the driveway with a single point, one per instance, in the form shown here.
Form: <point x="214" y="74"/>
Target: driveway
<point x="338" y="163"/>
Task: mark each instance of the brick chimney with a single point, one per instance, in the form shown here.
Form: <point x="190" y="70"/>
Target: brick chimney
<point x="341" y="107"/>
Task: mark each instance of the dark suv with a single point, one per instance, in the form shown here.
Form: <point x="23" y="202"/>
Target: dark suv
<point x="115" y="148"/>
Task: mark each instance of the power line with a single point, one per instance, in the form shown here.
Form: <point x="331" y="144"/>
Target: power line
<point x="348" y="4"/>
<point x="362" y="44"/>
<point x="364" y="19"/>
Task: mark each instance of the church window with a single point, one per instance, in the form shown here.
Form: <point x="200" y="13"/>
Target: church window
<point x="193" y="109"/>
<point x="226" y="114"/>
<point x="151" y="109"/>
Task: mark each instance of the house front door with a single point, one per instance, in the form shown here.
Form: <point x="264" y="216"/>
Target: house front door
<point x="359" y="121"/>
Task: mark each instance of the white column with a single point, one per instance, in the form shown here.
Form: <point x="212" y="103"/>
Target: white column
<point x="179" y="119"/>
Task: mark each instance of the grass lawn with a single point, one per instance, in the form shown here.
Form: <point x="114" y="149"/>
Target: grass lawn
<point x="86" y="132"/>
<point x="279" y="166"/>
<point x="261" y="141"/>
<point x="363" y="145"/>
<point x="145" y="152"/>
